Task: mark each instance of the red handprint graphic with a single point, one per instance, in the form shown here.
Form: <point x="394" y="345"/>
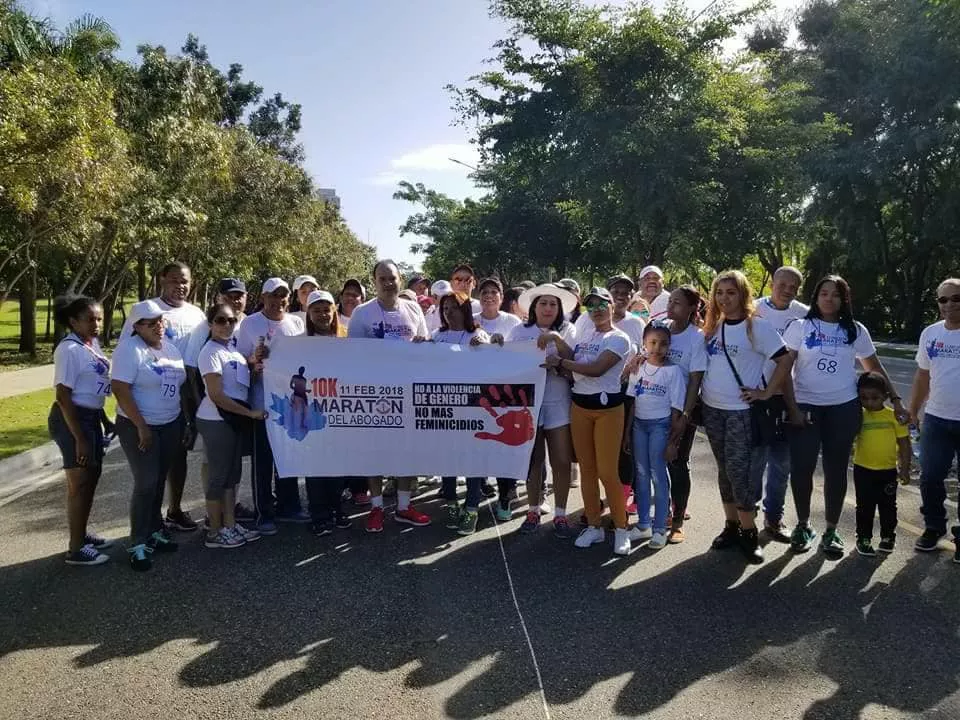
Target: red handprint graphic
<point x="517" y="425"/>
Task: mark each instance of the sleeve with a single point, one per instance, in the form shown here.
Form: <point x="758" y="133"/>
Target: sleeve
<point x="863" y="346"/>
<point x="617" y="343"/>
<point x="678" y="390"/>
<point x="922" y="358"/>
<point x="793" y="335"/>
<point x="698" y="353"/>
<point x="210" y="363"/>
<point x="358" y="324"/>
<point x="421" y="322"/>
<point x="198" y="338"/>
<point x="64" y="366"/>
<point x="126" y="362"/>
<point x="245" y="338"/>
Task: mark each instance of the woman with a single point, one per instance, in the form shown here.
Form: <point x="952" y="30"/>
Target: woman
<point x="596" y="418"/>
<point x="457" y="327"/>
<point x="824" y="406"/>
<point x="639" y="307"/>
<point x="545" y="307"/>
<point x="223" y="421"/>
<point x="303" y="285"/>
<point x="511" y="304"/>
<point x="81" y="376"/>
<point x="325" y="494"/>
<point x="352" y="294"/>
<point x="738" y="345"/>
<point x="147" y="374"/>
<point x="688" y="352"/>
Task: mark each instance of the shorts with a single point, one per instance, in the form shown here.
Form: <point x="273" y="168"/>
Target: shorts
<point x="92" y="430"/>
<point x="223" y="448"/>
<point x="554" y="415"/>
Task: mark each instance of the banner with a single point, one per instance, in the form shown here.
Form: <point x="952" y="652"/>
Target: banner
<point x="373" y="407"/>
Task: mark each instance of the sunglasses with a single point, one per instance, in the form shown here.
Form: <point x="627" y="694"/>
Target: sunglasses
<point x="594" y="307"/>
<point x="944" y="299"/>
<point x="221" y="320"/>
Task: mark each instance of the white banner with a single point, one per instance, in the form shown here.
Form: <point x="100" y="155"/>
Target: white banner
<point x="343" y="407"/>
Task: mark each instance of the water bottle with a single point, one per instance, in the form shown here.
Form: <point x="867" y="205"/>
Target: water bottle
<point x="915" y="442"/>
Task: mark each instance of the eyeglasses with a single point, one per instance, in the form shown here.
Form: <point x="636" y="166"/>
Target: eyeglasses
<point x="595" y="307"/>
<point x="944" y="299"/>
<point x="224" y="320"/>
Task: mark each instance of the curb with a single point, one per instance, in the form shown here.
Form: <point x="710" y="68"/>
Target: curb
<point x="32" y="467"/>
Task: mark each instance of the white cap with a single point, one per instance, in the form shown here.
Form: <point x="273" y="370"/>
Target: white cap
<point x="273" y="284"/>
<point x="651" y="269"/>
<point x="301" y="279"/>
<point x="318" y="295"/>
<point x="145" y="310"/>
<point x="568" y="301"/>
<point x="441" y="288"/>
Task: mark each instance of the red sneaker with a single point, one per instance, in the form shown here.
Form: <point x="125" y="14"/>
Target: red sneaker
<point x="411" y="517"/>
<point x="361" y="498"/>
<point x="375" y="520"/>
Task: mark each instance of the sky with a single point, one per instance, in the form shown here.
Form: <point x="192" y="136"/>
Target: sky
<point x="370" y="75"/>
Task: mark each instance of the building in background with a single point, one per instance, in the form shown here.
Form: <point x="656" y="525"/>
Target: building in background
<point x="330" y="195"/>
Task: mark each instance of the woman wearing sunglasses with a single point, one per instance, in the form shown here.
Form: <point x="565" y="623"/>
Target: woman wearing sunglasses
<point x="223" y="422"/>
<point x="596" y="417"/>
<point x="147" y="374"/>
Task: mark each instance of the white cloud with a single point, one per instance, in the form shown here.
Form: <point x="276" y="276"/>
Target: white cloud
<point x="430" y="159"/>
<point x="387" y="178"/>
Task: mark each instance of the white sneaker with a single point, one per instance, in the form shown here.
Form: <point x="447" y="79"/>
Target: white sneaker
<point x="245" y="533"/>
<point x="621" y="542"/>
<point x="225" y="538"/>
<point x="575" y="475"/>
<point x="658" y="541"/>
<point x="639" y="533"/>
<point x="590" y="536"/>
<point x="545" y="508"/>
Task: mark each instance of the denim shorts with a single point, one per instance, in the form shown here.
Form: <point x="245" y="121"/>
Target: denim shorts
<point x="89" y="420"/>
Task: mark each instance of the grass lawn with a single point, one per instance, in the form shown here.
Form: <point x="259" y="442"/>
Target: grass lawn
<point x="23" y="421"/>
<point x="896" y="352"/>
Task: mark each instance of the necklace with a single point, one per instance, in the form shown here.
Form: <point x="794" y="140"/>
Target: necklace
<point x="650" y="374"/>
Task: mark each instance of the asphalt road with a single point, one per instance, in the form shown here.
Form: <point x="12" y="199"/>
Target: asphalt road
<point x="901" y="371"/>
<point x="418" y="623"/>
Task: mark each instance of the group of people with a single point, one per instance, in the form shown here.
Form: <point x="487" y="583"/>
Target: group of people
<point x="632" y="371"/>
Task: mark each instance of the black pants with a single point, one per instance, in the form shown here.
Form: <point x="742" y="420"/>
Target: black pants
<point x="680" y="475"/>
<point x="324" y="498"/>
<point x="876" y="494"/>
<point x="358" y="484"/>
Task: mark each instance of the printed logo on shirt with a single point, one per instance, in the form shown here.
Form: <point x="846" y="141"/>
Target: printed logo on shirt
<point x="817" y="339"/>
<point x="646" y="387"/>
<point x="675" y="355"/>
<point x="99" y="366"/>
<point x="384" y="330"/>
<point x="168" y="331"/>
<point x="939" y="349"/>
<point x="715" y="347"/>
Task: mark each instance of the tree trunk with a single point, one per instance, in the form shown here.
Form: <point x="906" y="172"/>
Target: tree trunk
<point x="46" y="332"/>
<point x="109" y="305"/>
<point x="28" y="314"/>
<point x="141" y="278"/>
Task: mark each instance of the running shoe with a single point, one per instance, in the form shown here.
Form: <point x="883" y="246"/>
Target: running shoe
<point x="658" y="541"/>
<point x="928" y="541"/>
<point x="224" y="538"/>
<point x="140" y="557"/>
<point x="503" y="514"/>
<point x="87" y="555"/>
<point x="531" y="524"/>
<point x="375" y="520"/>
<point x="161" y="542"/>
<point x="180" y="520"/>
<point x="488" y="490"/>
<point x="561" y="527"/>
<point x="410" y="516"/>
<point x="453" y="516"/>
<point x="887" y="544"/>
<point x="802" y="538"/>
<point x="832" y="544"/>
<point x="865" y="547"/>
<point x="468" y="522"/>
<point x="247" y="534"/>
<point x="640" y="533"/>
<point x="98" y="542"/>
<point x="590" y="536"/>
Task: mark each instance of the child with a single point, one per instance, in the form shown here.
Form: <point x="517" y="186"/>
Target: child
<point x="657" y="390"/>
<point x="878" y="445"/>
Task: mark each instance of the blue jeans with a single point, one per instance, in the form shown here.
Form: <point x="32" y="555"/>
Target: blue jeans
<point x="649" y="443"/>
<point x="448" y="491"/>
<point x="939" y="445"/>
<point x="775" y="481"/>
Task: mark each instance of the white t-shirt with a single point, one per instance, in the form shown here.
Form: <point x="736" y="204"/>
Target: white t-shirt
<point x="658" y="392"/>
<point x="939" y="352"/>
<point x="155" y="376"/>
<point x="432" y="318"/>
<point x="198" y="338"/>
<point x="502" y="324"/>
<point x="458" y="337"/>
<point x="765" y="308"/>
<point x="178" y="323"/>
<point x="557" y="388"/>
<point x="589" y="348"/>
<point x="404" y="322"/>
<point x="258" y="326"/>
<point x="230" y="364"/>
<point x="658" y="308"/>
<point x="720" y="388"/>
<point x="84" y="369"/>
<point x="825" y="371"/>
<point x="688" y="350"/>
<point x="630" y="324"/>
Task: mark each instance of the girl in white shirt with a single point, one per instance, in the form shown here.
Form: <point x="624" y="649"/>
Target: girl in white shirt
<point x="655" y="395"/>
<point x="81" y="376"/>
<point x="824" y="407"/>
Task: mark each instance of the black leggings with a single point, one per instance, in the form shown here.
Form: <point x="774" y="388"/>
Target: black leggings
<point x="680" y="475"/>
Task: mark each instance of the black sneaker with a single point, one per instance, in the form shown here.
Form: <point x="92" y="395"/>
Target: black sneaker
<point x="728" y="538"/>
<point x="140" y="557"/>
<point x="344" y="522"/>
<point x="865" y="547"/>
<point x="750" y="546"/>
<point x="886" y="544"/>
<point x="928" y="541"/>
<point x="161" y="542"/>
<point x="321" y="528"/>
<point x="832" y="544"/>
<point x="100" y="543"/>
<point x="243" y="513"/>
<point x="488" y="490"/>
<point x="180" y="520"/>
<point x="87" y="555"/>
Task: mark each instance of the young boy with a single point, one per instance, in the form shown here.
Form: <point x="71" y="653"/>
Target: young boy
<point x="881" y="442"/>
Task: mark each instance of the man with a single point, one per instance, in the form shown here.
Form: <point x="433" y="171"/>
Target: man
<point x="180" y="318"/>
<point x="254" y="337"/>
<point x="387" y="317"/>
<point x="780" y="308"/>
<point x="432" y="316"/>
<point x="936" y="382"/>
<point x="495" y="322"/>
<point x="352" y="294"/>
<point x="419" y="284"/>
<point x="464" y="280"/>
<point x="651" y="289"/>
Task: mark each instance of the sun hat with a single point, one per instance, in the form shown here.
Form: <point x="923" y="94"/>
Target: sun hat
<point x="568" y="301"/>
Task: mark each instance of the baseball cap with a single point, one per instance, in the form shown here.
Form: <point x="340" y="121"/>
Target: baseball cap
<point x="570" y="284"/>
<point x="414" y="280"/>
<point x="145" y="310"/>
<point x="301" y="279"/>
<point x="441" y="288"/>
<point x="463" y="266"/>
<point x="273" y="284"/>
<point x="353" y="282"/>
<point x="621" y="278"/>
<point x="598" y="292"/>
<point x="229" y="285"/>
<point x="319" y="295"/>
<point x="651" y="269"/>
<point x="491" y="281"/>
